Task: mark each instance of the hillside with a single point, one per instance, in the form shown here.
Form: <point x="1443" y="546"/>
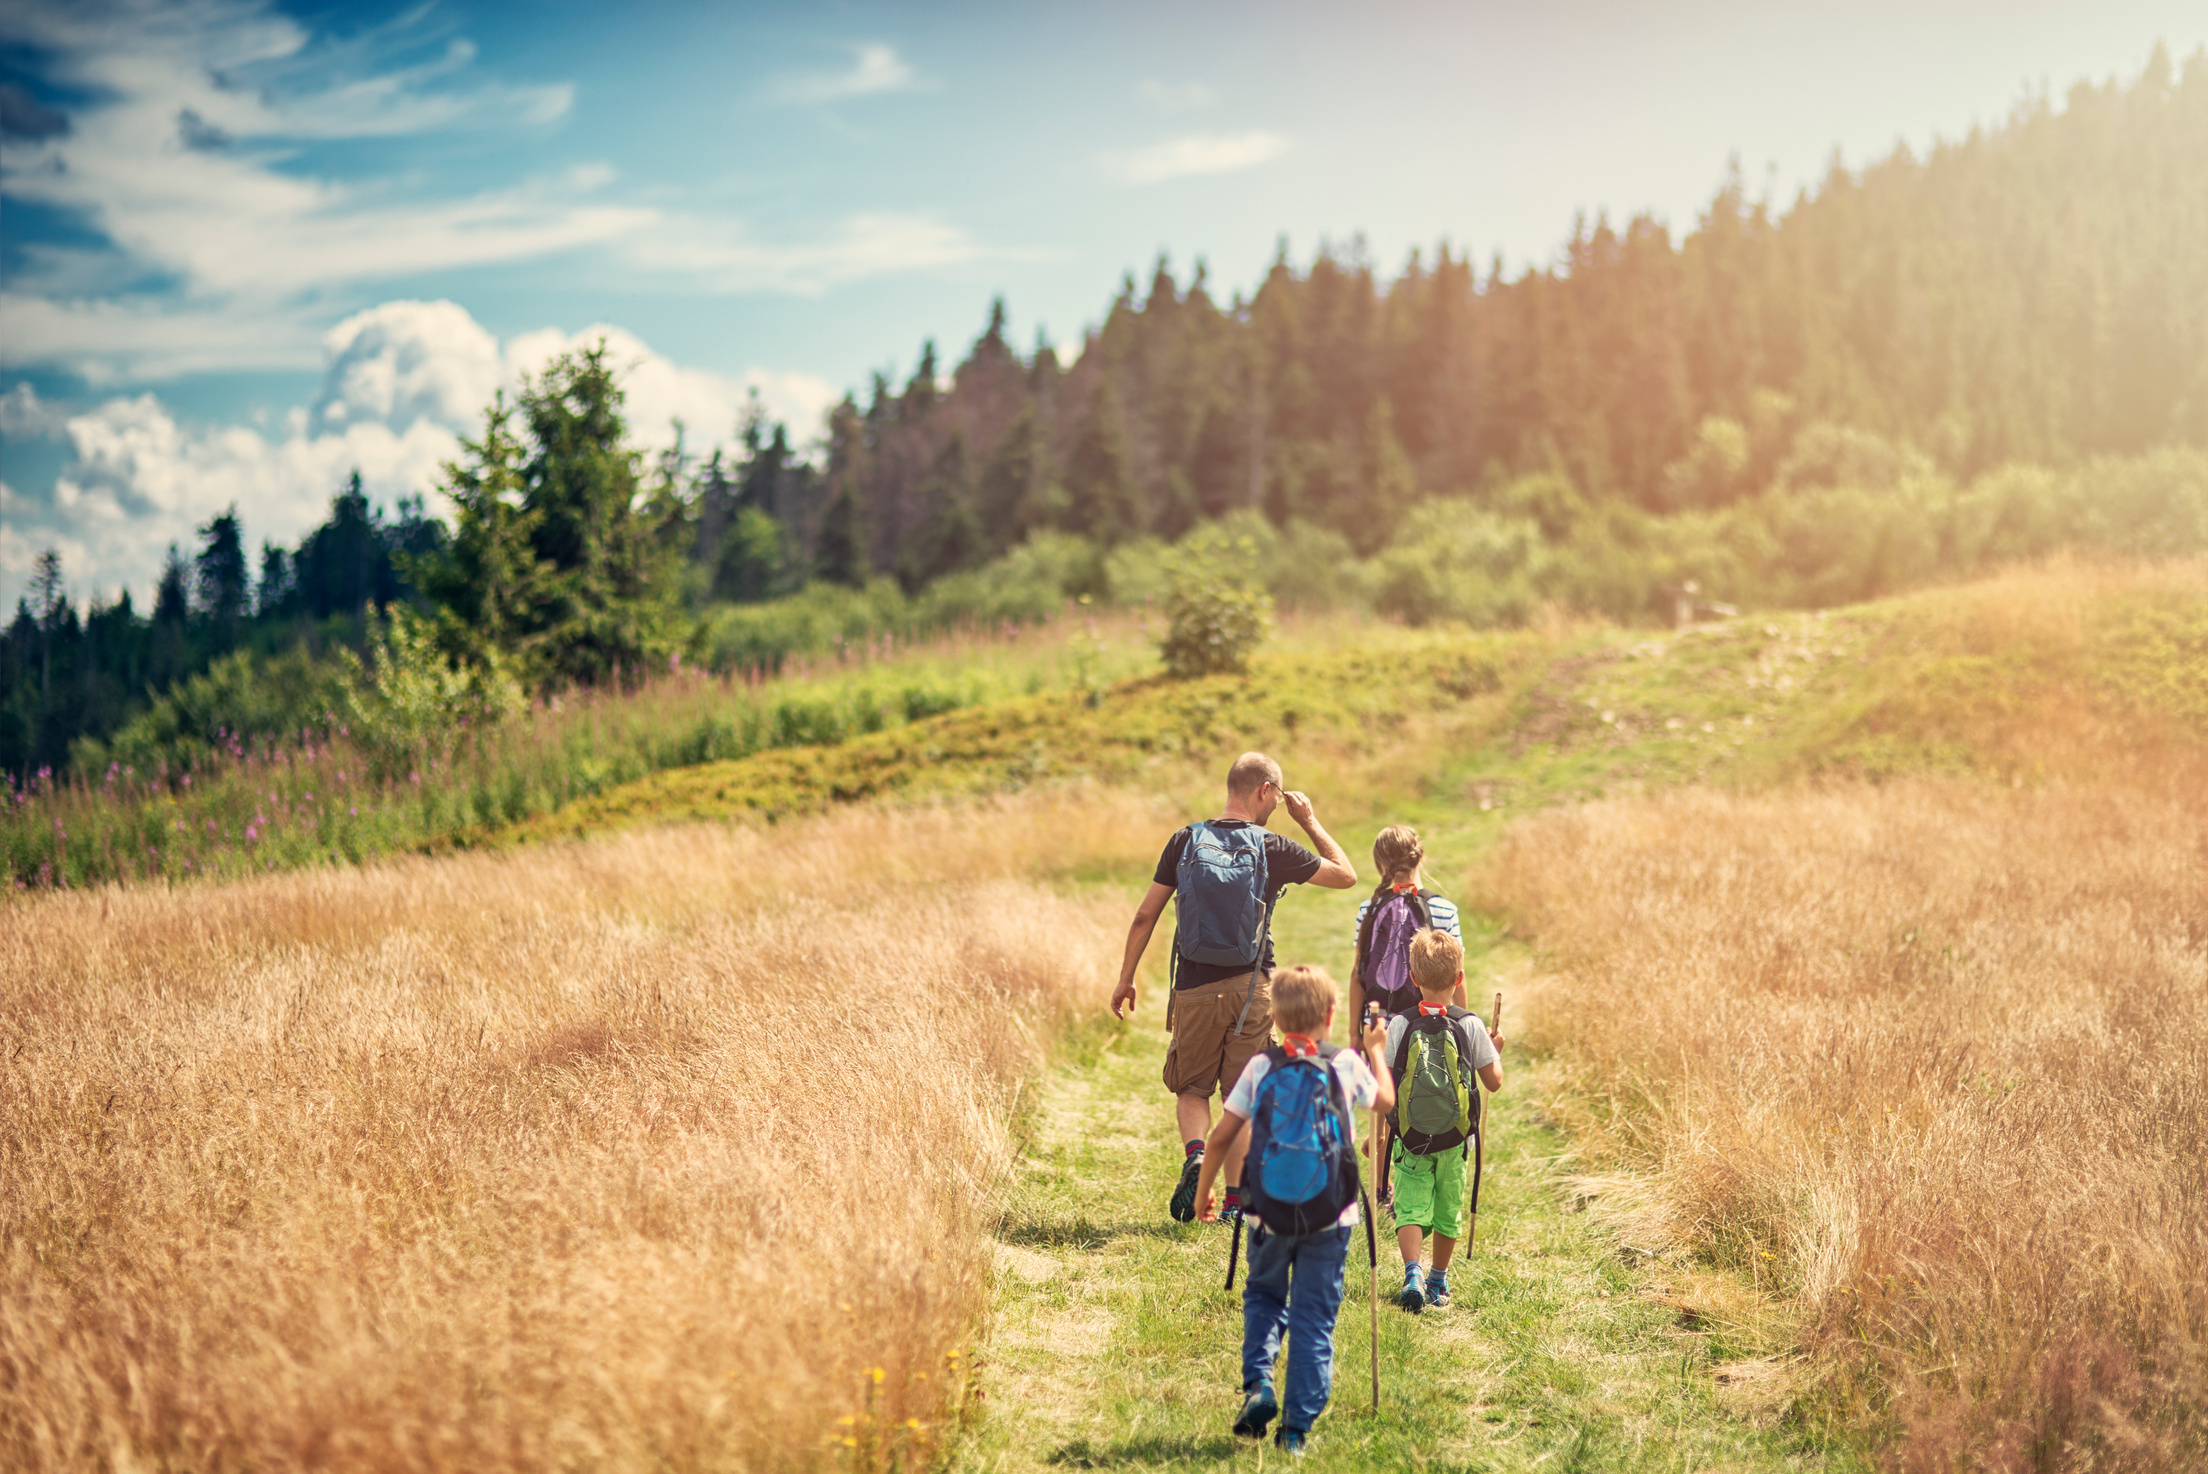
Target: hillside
<point x="2028" y="676"/>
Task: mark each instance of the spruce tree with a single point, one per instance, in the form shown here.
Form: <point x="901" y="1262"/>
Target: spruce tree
<point x="602" y="614"/>
<point x="488" y="581"/>
<point x="1106" y="505"/>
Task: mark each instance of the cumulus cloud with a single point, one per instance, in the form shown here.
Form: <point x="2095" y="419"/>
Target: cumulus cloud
<point x="874" y="68"/>
<point x="402" y="362"/>
<point x="401" y="382"/>
<point x="1197" y="153"/>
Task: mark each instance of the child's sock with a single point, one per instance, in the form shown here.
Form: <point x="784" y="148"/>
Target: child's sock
<point x="1412" y="1273"/>
<point x="1234" y="1197"/>
<point x="1194" y="1148"/>
<point x="1439" y="1279"/>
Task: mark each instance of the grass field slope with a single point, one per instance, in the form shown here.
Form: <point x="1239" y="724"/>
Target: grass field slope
<point x="758" y="1114"/>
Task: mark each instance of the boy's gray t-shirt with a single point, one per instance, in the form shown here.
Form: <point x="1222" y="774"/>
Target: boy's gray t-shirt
<point x="1483" y="1048"/>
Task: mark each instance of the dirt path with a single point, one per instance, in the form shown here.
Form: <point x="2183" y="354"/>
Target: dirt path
<point x="1116" y="1345"/>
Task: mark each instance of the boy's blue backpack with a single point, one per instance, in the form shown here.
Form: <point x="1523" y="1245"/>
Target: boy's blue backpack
<point x="1219" y="895"/>
<point x="1384" y="949"/>
<point x="1301" y="1171"/>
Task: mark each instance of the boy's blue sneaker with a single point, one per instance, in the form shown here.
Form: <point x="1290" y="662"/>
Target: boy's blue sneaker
<point x="1437" y="1289"/>
<point x="1258" y="1409"/>
<point x="1290" y="1441"/>
<point x="1412" y="1296"/>
<point x="1183" y="1206"/>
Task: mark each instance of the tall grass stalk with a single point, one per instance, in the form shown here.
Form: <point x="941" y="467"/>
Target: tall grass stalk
<point x="1931" y="1059"/>
<point x="672" y="1151"/>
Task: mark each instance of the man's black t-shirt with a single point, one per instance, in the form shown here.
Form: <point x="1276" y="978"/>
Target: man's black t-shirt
<point x="1286" y="863"/>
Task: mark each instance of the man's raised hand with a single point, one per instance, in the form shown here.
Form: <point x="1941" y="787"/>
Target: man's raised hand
<point x="1299" y="806"/>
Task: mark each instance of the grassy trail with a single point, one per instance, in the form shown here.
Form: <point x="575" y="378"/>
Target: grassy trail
<point x="1116" y="1345"/>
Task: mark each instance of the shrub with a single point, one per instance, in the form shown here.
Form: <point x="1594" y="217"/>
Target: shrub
<point x="1216" y="616"/>
<point x="1452" y="560"/>
<point x="408" y="701"/>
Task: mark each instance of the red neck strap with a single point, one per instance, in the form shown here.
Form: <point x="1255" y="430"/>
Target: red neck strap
<point x="1402" y="886"/>
<point x="1431" y="1010"/>
<point x="1297" y="1046"/>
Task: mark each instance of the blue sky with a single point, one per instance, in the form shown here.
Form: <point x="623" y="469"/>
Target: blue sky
<point x="246" y="247"/>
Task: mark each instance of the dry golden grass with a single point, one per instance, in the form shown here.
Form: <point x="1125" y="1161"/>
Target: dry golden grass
<point x="671" y="1151"/>
<point x="1934" y="1055"/>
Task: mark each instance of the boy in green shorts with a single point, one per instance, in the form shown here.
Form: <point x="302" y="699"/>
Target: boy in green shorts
<point x="1434" y="1053"/>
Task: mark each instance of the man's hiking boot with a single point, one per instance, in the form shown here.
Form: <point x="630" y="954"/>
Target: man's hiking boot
<point x="1437" y="1289"/>
<point x="1183" y="1206"/>
<point x="1258" y="1409"/>
<point x="1412" y="1297"/>
<point x="1290" y="1441"/>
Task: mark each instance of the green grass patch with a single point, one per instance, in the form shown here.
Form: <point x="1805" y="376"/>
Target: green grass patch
<point x="1117" y="1346"/>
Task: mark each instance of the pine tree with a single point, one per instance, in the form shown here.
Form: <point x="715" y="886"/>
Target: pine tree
<point x="1106" y="506"/>
<point x="220" y="580"/>
<point x="488" y="581"/>
<point x="1005" y="495"/>
<point x="602" y="614"/>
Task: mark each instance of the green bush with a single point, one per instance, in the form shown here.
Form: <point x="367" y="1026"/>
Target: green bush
<point x="1454" y="561"/>
<point x="760" y="637"/>
<point x="407" y="702"/>
<point x="1216" y="615"/>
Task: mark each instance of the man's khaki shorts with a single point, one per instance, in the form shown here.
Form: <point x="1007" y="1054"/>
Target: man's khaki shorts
<point x="1207" y="1054"/>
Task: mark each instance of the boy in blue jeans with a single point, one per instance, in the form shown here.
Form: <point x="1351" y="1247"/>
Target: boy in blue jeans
<point x="1295" y="1278"/>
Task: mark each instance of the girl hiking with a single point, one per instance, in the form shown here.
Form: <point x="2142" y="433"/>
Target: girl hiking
<point x="1399" y="908"/>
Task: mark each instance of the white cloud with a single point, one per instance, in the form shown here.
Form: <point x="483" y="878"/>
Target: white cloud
<point x="186" y="166"/>
<point x="874" y="68"/>
<point x="1197" y="153"/>
<point x="401" y="382"/>
<point x="1175" y="97"/>
<point x="727" y="259"/>
<point x="24" y="416"/>
<point x="660" y="392"/>
<point x="401" y="362"/>
<point x="137" y="480"/>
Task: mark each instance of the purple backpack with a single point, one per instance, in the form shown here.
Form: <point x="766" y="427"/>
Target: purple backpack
<point x="1384" y="948"/>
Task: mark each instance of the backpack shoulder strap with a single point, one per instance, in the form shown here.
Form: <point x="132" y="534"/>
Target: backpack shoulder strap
<point x="1420" y="909"/>
<point x="1458" y="1019"/>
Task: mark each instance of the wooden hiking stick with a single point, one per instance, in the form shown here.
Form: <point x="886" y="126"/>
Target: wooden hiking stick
<point x="1479" y="1144"/>
<point x="1372" y="1242"/>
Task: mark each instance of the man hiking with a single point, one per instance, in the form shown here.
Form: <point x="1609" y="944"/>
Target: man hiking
<point x="1225" y="875"/>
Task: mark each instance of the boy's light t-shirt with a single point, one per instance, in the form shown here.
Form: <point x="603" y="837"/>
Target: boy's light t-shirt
<point x="1359" y="1088"/>
<point x="1483" y="1048"/>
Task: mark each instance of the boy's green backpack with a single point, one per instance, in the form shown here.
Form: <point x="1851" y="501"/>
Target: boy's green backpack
<point x="1437" y="1103"/>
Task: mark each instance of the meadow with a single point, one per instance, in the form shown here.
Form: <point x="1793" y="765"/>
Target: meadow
<point x="332" y="795"/>
<point x="1855" y="959"/>
<point x="676" y="1150"/>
